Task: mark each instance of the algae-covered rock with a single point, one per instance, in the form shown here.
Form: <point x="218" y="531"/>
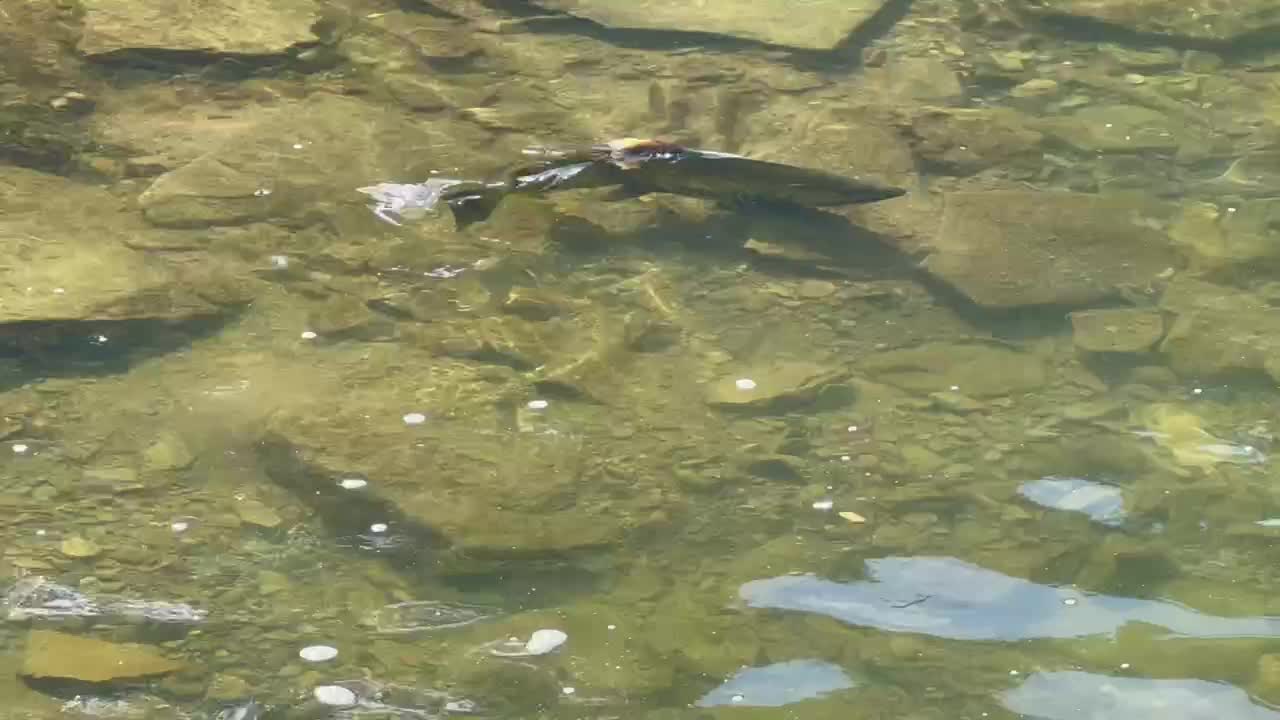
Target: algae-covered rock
<point x="1191" y="19"/>
<point x="977" y="370"/>
<point x="1117" y="128"/>
<point x="817" y="24"/>
<point x="1013" y="248"/>
<point x="450" y="470"/>
<point x="1218" y="330"/>
<point x="240" y="27"/>
<point x="1242" y="236"/>
<point x="1123" y="330"/>
<point x="965" y="140"/>
<point x="61" y="656"/>
<point x="295" y="160"/>
<point x="773" y="387"/>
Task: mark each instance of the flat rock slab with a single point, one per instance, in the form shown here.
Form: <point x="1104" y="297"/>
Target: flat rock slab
<point x="1014" y="248"/>
<point x="818" y="24"/>
<point x="974" y="369"/>
<point x="1198" y="19"/>
<point x="239" y="27"/>
<point x="52" y="269"/>
<point x="62" y="656"/>
<point x="772" y="387"/>
<point x="496" y="492"/>
<point x="1127" y="330"/>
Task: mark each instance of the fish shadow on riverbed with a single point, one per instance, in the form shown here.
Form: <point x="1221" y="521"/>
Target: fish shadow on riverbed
<point x="773" y="237"/>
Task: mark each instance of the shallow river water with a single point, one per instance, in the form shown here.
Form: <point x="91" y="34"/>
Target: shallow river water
<point x="284" y="434"/>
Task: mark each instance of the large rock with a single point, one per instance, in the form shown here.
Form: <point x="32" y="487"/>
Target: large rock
<point x="240" y="27"/>
<point x="1219" y="330"/>
<point x="1246" y="236"/>
<point x="293" y="160"/>
<point x="1014" y="248"/>
<point x="1197" y="19"/>
<point x="61" y="656"/>
<point x="975" y="369"/>
<point x="52" y="270"/>
<point x="1117" y="330"/>
<point x="812" y="24"/>
<point x="527" y="491"/>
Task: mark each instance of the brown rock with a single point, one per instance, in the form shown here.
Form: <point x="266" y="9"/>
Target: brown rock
<point x="63" y="656"/>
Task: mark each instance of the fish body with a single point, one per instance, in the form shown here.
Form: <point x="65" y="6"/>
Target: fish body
<point x="640" y="167"/>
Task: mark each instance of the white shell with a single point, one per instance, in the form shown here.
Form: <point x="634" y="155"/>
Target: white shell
<point x="542" y="642"/>
<point x="318" y="653"/>
<point x="335" y="695"/>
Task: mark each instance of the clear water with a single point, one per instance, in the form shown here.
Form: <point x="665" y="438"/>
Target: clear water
<point x="985" y="451"/>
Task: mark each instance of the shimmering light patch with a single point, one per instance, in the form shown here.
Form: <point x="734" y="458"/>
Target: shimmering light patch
<point x="335" y="695"/>
<point x="745" y="384"/>
<point x="538" y="404"/>
<point x="779" y="684"/>
<point x="378" y="527"/>
<point x="318" y="653"/>
<point x="414" y="418"/>
<point x="308" y="335"/>
<point x="353" y="483"/>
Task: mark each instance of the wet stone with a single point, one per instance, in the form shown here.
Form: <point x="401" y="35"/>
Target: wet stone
<point x="77" y="546"/>
<point x="772" y="387"/>
<point x="57" y="655"/>
<point x="975" y="370"/>
<point x="1195" y="19"/>
<point x="1014" y="248"/>
<point x="1117" y="128"/>
<point x="240" y="27"/>
<point x="1119" y="331"/>
<point x="819" y="24"/>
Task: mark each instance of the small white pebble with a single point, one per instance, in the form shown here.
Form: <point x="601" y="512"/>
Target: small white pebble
<point x="19" y="448"/>
<point x="414" y="419"/>
<point x="42" y="532"/>
<point x="59" y="291"/>
<point x="612" y="626"/>
<point x="738" y="698"/>
<point x="308" y="335"/>
<point x="544" y="641"/>
<point x="955" y="388"/>
<point x="353" y="483"/>
<point x="537" y="404"/>
<point x="852" y="428"/>
<point x="318" y="653"/>
<point x="179" y="526"/>
<point x="297" y="146"/>
<point x="1070" y="601"/>
<point x="280" y="262"/>
<point x="1013" y="672"/>
<point x="1124" y="666"/>
<point x="378" y="527"/>
<point x="745" y="384"/>
<point x="335" y="695"/>
<point x="823" y="504"/>
<point x="568" y="690"/>
<point x="1197" y="391"/>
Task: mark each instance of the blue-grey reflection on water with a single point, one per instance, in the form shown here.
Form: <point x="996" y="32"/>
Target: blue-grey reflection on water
<point x="1102" y="503"/>
<point x="949" y="598"/>
<point x="779" y="684"/>
<point x="1085" y="696"/>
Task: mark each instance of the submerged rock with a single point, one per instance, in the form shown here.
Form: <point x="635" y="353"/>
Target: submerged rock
<point x="977" y="370"/>
<point x="1190" y="19"/>
<point x="239" y="27"/>
<point x="57" y="655"/>
<point x="1218" y="330"/>
<point x="773" y="387"/>
<point x="819" y="24"/>
<point x="1125" y="330"/>
<point x="1009" y="249"/>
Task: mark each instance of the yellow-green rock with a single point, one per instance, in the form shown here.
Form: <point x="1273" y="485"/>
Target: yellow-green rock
<point x="62" y="656"/>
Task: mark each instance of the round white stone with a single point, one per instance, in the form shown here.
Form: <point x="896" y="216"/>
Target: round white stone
<point x="823" y="504"/>
<point x="19" y="448"/>
<point x="308" y="335"/>
<point x="353" y="483"/>
<point x="537" y="404"/>
<point x="179" y="526"/>
<point x="318" y="653"/>
<point x="544" y="641"/>
<point x="378" y="527"/>
<point x="745" y="384"/>
<point x="335" y="695"/>
<point x="414" y="419"/>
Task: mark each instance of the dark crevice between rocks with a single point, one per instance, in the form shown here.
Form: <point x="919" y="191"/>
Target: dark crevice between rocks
<point x="36" y="350"/>
<point x="1092" y="31"/>
<point x="847" y="54"/>
<point x="144" y="65"/>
